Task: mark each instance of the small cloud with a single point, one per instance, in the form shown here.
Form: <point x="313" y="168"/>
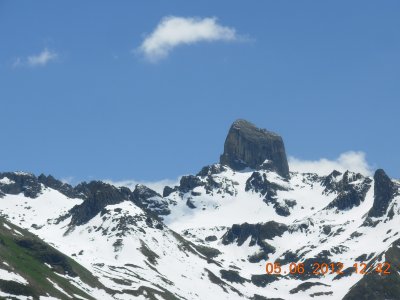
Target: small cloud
<point x="37" y="60"/>
<point x="174" y="31"/>
<point x="351" y="160"/>
<point x="157" y="186"/>
<point x="42" y="58"/>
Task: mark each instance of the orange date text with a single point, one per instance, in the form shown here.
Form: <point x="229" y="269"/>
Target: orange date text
<point x="316" y="268"/>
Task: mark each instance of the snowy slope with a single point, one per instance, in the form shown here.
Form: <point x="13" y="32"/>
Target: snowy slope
<point x="211" y="236"/>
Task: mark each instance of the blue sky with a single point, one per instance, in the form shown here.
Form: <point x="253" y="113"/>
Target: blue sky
<point x="81" y="98"/>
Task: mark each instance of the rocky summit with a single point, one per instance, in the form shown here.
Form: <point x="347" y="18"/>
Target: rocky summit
<point x="255" y="148"/>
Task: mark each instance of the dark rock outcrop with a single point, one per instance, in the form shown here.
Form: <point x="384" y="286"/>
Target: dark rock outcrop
<point x="376" y="286"/>
<point x="249" y="146"/>
<point x="384" y="192"/>
<point x="190" y="204"/>
<point x="205" y="179"/>
<point x="31" y="186"/>
<point x="258" y="233"/>
<point x="150" y="201"/>
<point x="142" y="192"/>
<point x="259" y="297"/>
<point x="266" y="250"/>
<point x="330" y="182"/>
<point x="20" y="182"/>
<point x="232" y="276"/>
<point x="186" y="184"/>
<point x="96" y="195"/>
<point x="351" y="189"/>
<point x="259" y="183"/>
<point x="262" y="280"/>
<point x="305" y="286"/>
<point x="168" y="191"/>
<point x="211" y="238"/>
<point x="309" y="265"/>
<point x="211" y="170"/>
<point x="347" y="200"/>
<point x="58" y="185"/>
<point x="189" y="182"/>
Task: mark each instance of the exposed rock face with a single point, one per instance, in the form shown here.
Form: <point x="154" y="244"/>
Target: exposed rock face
<point x="249" y="146"/>
<point x="331" y="183"/>
<point x="97" y="195"/>
<point x="239" y="233"/>
<point x="384" y="191"/>
<point x="305" y="286"/>
<point x="232" y="276"/>
<point x="190" y="204"/>
<point x="260" y="184"/>
<point x="167" y="191"/>
<point x="374" y="285"/>
<point x="149" y="200"/>
<point x="15" y="183"/>
<point x="211" y="170"/>
<point x="189" y="182"/>
<point x="262" y="280"/>
<point x="58" y="185"/>
<point x="351" y="189"/>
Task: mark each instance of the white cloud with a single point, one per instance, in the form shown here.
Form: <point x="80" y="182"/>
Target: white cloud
<point x="36" y="60"/>
<point x="351" y="160"/>
<point x="157" y="186"/>
<point x="42" y="58"/>
<point x="174" y="31"/>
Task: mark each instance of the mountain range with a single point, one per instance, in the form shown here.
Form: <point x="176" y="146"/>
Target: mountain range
<point x="244" y="228"/>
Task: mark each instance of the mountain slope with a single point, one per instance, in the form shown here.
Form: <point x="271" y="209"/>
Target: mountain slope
<point x="29" y="267"/>
<point x="211" y="236"/>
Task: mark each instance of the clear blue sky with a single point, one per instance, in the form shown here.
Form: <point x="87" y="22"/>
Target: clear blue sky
<point x="323" y="74"/>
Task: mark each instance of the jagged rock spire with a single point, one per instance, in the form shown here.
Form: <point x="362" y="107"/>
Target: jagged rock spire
<point x="384" y="192"/>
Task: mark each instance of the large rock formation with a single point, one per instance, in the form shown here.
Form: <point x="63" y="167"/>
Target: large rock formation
<point x="384" y="191"/>
<point x="249" y="146"/>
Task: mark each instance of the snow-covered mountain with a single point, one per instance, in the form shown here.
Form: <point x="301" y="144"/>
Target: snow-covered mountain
<point x="211" y="236"/>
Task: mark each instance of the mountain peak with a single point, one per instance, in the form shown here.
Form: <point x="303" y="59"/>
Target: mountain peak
<point x="384" y="192"/>
<point x="249" y="146"/>
<point x="243" y="124"/>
